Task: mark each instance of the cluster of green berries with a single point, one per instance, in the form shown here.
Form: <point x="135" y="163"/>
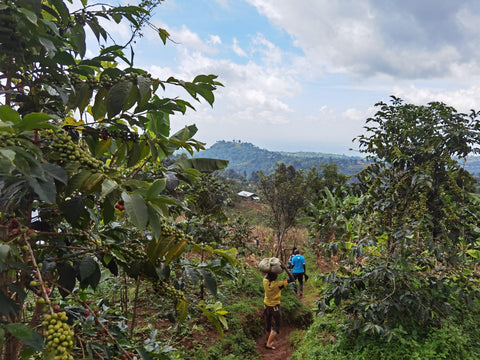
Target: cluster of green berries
<point x="59" y="336"/>
<point x="171" y="291"/>
<point x="68" y="151"/>
<point x="178" y="234"/>
<point x="105" y="80"/>
<point x="125" y="135"/>
<point x="7" y="139"/>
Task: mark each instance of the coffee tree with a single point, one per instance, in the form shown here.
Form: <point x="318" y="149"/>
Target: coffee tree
<point x="82" y="185"/>
<point x="418" y="219"/>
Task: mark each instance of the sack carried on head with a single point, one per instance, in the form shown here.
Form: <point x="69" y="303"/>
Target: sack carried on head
<point x="272" y="265"/>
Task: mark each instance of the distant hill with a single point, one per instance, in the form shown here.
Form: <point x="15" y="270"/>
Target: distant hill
<point x="246" y="158"/>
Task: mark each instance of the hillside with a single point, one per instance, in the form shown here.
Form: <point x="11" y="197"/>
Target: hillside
<point x="246" y="158"/>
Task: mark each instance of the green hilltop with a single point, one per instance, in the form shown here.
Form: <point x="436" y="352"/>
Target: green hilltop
<point x="246" y="158"/>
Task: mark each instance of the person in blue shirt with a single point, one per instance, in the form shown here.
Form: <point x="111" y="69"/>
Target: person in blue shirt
<point x="299" y="269"/>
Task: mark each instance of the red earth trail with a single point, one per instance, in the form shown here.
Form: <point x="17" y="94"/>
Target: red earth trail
<point x="282" y="346"/>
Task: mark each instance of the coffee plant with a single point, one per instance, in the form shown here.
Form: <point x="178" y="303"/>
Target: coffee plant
<point x="83" y="187"/>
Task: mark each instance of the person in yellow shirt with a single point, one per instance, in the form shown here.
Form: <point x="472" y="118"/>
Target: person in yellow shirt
<point x="273" y="316"/>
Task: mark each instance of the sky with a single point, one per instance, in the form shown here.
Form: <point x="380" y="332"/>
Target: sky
<point x="305" y="75"/>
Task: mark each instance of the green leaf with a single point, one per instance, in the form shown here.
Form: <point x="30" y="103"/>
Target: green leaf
<point x="108" y="186"/>
<point x="132" y="98"/>
<point x="45" y="190"/>
<point x="156" y="189"/>
<point x="56" y="172"/>
<point x="7" y="305"/>
<point x="213" y="319"/>
<point x="134" y="154"/>
<point x="230" y="255"/>
<point x="102" y="147"/>
<point x="175" y="252"/>
<point x="182" y="310"/>
<point x="201" y="164"/>
<point x="7" y="114"/>
<point x="143" y="84"/>
<point x="154" y="221"/>
<point x="73" y="209"/>
<point x="136" y="209"/>
<point x="62" y="10"/>
<point x="77" y="180"/>
<point x="66" y="279"/>
<point x="34" y="121"/>
<point x="30" y="15"/>
<point x="20" y="331"/>
<point x="99" y="108"/>
<point x="159" y="123"/>
<point x="48" y="45"/>
<point x="93" y="182"/>
<point x="164" y="35"/>
<point x="117" y="97"/>
<point x="78" y="39"/>
<point x="474" y="253"/>
<point x="209" y="281"/>
<point x="36" y="342"/>
<point x="4" y="250"/>
<point x="89" y="272"/>
<point x="108" y="211"/>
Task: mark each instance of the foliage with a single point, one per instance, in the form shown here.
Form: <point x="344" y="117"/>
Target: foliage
<point x="457" y="339"/>
<point x="248" y="159"/>
<point x="418" y="218"/>
<point x="208" y="196"/>
<point x="333" y="220"/>
<point x="323" y="177"/>
<point x="415" y="178"/>
<point x="284" y="192"/>
<point x="82" y="183"/>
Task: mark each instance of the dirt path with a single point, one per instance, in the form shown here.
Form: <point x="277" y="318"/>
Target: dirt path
<point x="282" y="346"/>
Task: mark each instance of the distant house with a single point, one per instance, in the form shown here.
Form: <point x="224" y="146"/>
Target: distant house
<point x="248" y="195"/>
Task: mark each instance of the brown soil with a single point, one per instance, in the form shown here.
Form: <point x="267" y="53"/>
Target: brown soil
<point x="282" y="346"/>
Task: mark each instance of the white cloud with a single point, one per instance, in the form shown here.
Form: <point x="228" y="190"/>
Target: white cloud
<point x="215" y="40"/>
<point x="237" y="49"/>
<point x="407" y="39"/>
<point x="421" y="51"/>
<point x="462" y="100"/>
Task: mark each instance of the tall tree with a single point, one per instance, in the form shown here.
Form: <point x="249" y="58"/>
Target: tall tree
<point x="416" y="177"/>
<point x="81" y="180"/>
<point x="418" y="214"/>
<point x="285" y="193"/>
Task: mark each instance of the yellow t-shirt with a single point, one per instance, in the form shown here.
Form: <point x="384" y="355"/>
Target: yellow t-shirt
<point x="273" y="290"/>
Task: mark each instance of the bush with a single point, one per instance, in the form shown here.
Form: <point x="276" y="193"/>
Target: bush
<point x="457" y="339"/>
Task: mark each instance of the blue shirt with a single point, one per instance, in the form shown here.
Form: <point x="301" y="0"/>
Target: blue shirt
<point x="298" y="261"/>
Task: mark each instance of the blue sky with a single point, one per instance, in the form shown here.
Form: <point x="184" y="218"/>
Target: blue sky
<point x="305" y="75"/>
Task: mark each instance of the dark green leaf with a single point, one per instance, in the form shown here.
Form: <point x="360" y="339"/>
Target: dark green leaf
<point x="156" y="189"/>
<point x="136" y="209"/>
<point x="7" y="114"/>
<point x="7" y="305"/>
<point x="20" y="331"/>
<point x="56" y="172"/>
<point x="78" y="39"/>
<point x="201" y="164"/>
<point x="117" y="96"/>
<point x="89" y="272"/>
<point x="73" y="209"/>
<point x="45" y="190"/>
<point x="209" y="280"/>
<point x="67" y="278"/>
<point x="4" y="250"/>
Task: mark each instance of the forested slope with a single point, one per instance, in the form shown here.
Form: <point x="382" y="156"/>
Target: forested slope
<point x="246" y="158"/>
